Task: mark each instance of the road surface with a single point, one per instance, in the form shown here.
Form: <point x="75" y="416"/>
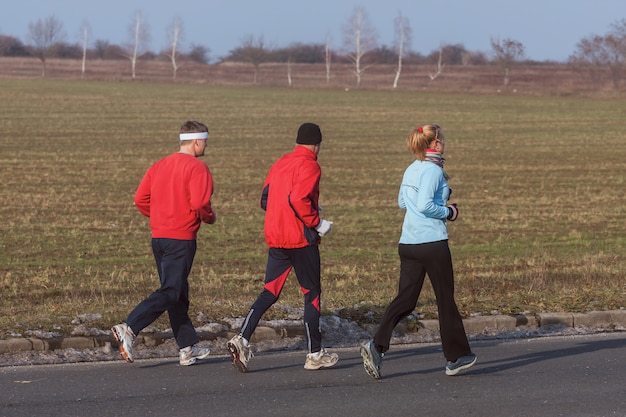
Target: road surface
<point x="552" y="376"/>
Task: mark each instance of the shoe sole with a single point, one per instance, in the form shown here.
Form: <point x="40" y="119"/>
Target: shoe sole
<point x="194" y="359"/>
<point x="315" y="368"/>
<point x="123" y="351"/>
<point x="456" y="371"/>
<point x="234" y="358"/>
<point x="188" y="362"/>
<point x="368" y="363"/>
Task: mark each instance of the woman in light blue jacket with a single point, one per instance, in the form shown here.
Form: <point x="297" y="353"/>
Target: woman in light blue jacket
<point x="423" y="249"/>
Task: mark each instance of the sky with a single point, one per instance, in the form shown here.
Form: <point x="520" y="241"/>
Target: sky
<point x="548" y="29"/>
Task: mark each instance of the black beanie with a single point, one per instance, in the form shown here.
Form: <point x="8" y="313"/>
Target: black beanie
<point x="309" y="134"/>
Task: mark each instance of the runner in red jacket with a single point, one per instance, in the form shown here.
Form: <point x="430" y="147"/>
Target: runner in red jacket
<point x="292" y="211"/>
<point x="293" y="229"/>
<point x="175" y="193"/>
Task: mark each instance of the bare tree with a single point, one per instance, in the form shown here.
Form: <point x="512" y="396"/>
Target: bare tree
<point x="84" y="34"/>
<point x="44" y="34"/>
<point x="100" y="48"/>
<point x="174" y="35"/>
<point x="466" y="58"/>
<point x="289" y="65"/>
<point x="616" y="43"/>
<point x="596" y="55"/>
<point x="618" y="29"/>
<point x="439" y="67"/>
<point x="199" y="54"/>
<point x="506" y="53"/>
<point x="253" y="51"/>
<point x="360" y="37"/>
<point x="327" y="58"/>
<point x="10" y="46"/>
<point x="139" y="35"/>
<point x="589" y="58"/>
<point x="403" y="39"/>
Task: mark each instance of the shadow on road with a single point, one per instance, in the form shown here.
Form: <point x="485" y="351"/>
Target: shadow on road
<point x="534" y="357"/>
<point x="487" y="366"/>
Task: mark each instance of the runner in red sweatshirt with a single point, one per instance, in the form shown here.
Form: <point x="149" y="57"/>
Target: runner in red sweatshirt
<point x="293" y="229"/>
<point x="175" y="193"/>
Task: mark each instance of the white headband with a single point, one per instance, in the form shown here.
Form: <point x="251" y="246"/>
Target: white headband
<point x="191" y="136"/>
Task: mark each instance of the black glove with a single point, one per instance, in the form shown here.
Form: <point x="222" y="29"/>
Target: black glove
<point x="453" y="212"/>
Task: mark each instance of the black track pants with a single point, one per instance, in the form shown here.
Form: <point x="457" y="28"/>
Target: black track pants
<point x="416" y="261"/>
<point x="306" y="264"/>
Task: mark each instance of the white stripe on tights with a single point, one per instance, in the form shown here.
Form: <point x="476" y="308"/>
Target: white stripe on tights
<point x="245" y="322"/>
<point x="308" y="335"/>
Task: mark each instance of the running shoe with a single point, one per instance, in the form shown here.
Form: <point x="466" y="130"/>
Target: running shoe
<point x="372" y="359"/>
<point x="461" y="364"/>
<point x="189" y="355"/>
<point x="321" y="359"/>
<point x="125" y="337"/>
<point x="240" y="353"/>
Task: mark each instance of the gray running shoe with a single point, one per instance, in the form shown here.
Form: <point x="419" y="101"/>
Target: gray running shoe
<point x="239" y="353"/>
<point x="461" y="364"/>
<point x="190" y="356"/>
<point x="125" y="336"/>
<point x="321" y="359"/>
<point x="372" y="359"/>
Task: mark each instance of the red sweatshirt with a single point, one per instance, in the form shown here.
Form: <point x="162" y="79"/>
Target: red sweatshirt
<point x="290" y="198"/>
<point x="176" y="194"/>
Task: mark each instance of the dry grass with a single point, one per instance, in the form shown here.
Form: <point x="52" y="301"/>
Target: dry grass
<point x="539" y="182"/>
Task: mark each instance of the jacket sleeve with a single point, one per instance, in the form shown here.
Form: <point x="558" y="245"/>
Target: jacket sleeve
<point x="200" y="193"/>
<point x="401" y="201"/>
<point x="142" y="195"/>
<point x="305" y="193"/>
<point x="429" y="181"/>
<point x="265" y="193"/>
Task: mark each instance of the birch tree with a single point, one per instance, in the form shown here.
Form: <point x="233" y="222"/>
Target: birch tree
<point x="439" y="66"/>
<point x="139" y="36"/>
<point x="289" y="80"/>
<point x="44" y="34"/>
<point x="84" y="34"/>
<point x="174" y="35"/>
<point x="403" y="39"/>
<point x="360" y="37"/>
<point x="327" y="58"/>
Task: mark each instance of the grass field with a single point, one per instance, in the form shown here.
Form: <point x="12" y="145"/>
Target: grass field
<point x="539" y="182"/>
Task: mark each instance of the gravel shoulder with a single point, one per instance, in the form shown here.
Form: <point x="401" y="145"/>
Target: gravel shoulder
<point x="92" y="345"/>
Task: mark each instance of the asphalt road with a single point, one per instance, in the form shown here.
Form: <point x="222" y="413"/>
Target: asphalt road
<point x="552" y="376"/>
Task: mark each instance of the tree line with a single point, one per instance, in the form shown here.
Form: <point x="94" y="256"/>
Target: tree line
<point x="592" y="57"/>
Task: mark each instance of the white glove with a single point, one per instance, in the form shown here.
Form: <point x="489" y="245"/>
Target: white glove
<point x="323" y="228"/>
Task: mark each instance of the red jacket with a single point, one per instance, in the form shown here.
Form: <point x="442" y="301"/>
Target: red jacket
<point x="176" y="194"/>
<point x="290" y="198"/>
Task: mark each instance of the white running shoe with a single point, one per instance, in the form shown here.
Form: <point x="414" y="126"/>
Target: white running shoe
<point x="125" y="336"/>
<point x="190" y="354"/>
<point x="240" y="353"/>
<point x="321" y="359"/>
